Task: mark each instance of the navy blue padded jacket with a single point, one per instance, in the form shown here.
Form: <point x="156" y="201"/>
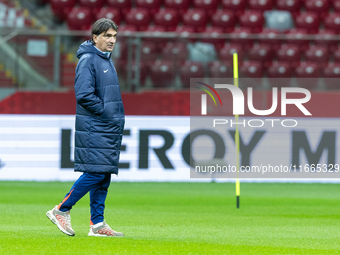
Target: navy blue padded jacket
<point x="100" y="114"/>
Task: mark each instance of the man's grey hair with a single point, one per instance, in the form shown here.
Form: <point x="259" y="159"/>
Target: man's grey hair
<point x="102" y="25"/>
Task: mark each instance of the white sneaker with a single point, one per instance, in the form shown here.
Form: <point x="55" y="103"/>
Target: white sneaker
<point x="62" y="220"/>
<point x="102" y="229"/>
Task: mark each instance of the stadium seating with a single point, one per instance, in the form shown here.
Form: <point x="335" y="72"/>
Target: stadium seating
<point x="162" y="73"/>
<point x="180" y="5"/>
<point x="318" y="54"/>
<point x="226" y="53"/>
<point x="280" y="20"/>
<point x="308" y="74"/>
<point x="262" y="53"/>
<point x="336" y="5"/>
<point x="80" y="18"/>
<point x="268" y="35"/>
<point x="292" y="6"/>
<point x="151" y="5"/>
<point x="127" y="29"/>
<point x="309" y="21"/>
<point x="167" y="18"/>
<point x="175" y="51"/>
<point x="224" y="19"/>
<point x="236" y="6"/>
<point x="109" y="13"/>
<point x="253" y="20"/>
<point x="279" y="74"/>
<point x="251" y="69"/>
<point x="296" y="37"/>
<point x="185" y="31"/>
<point x="143" y="71"/>
<point x="289" y="53"/>
<point x="241" y="35"/>
<point x="220" y="69"/>
<point x="210" y="37"/>
<point x="149" y="52"/>
<point x="261" y="5"/>
<point x="321" y="7"/>
<point x="327" y="34"/>
<point x="138" y="17"/>
<point x="332" y="74"/>
<point x="332" y="21"/>
<point x="209" y="6"/>
<point x="280" y="69"/>
<point x="61" y="8"/>
<point x="336" y="55"/>
<point x="161" y="42"/>
<point x="196" y="18"/>
<point x="190" y="69"/>
<point x="122" y="5"/>
<point x="94" y="5"/>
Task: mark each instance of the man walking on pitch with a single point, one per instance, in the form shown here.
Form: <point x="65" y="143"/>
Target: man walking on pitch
<point x="99" y="127"/>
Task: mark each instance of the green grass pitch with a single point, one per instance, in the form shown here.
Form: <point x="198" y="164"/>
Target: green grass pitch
<point x="177" y="218"/>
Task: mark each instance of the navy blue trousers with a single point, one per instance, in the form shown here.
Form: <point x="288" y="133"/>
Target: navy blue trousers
<point x="97" y="185"/>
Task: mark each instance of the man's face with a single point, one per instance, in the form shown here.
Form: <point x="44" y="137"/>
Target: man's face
<point x="106" y="41"/>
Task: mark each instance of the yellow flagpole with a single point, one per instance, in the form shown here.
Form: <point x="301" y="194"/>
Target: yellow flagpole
<point x="237" y="136"/>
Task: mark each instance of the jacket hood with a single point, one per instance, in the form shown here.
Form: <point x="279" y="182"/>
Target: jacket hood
<point x="88" y="47"/>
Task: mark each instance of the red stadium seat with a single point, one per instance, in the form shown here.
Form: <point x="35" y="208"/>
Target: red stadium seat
<point x="261" y="5"/>
<point x="225" y="19"/>
<point x="253" y="20"/>
<point x="241" y="36"/>
<point x="236" y="6"/>
<point x="309" y="21"/>
<point x="262" y="53"/>
<point x="319" y="54"/>
<point x="289" y="53"/>
<point x="211" y="34"/>
<point x="175" y="51"/>
<point x="109" y="13"/>
<point x="337" y="55"/>
<point x="190" y="69"/>
<point x="162" y="73"/>
<point x="123" y="5"/>
<point x="151" y="5"/>
<point x="218" y="69"/>
<point x="332" y="74"/>
<point x="308" y="74"/>
<point x="332" y="21"/>
<point x="327" y="34"/>
<point x="138" y="17"/>
<point x="167" y="18"/>
<point x="127" y="29"/>
<point x="268" y="36"/>
<point x="251" y="69"/>
<point x="185" y="31"/>
<point x="143" y="71"/>
<point x="292" y="6"/>
<point x="149" y="52"/>
<point x="156" y="30"/>
<point x="295" y="36"/>
<point x="94" y="5"/>
<point x="336" y="5"/>
<point x="318" y="6"/>
<point x="209" y="6"/>
<point x="179" y="5"/>
<point x="226" y="53"/>
<point x="61" y="8"/>
<point x="280" y="69"/>
<point x="196" y="18"/>
<point x="80" y="18"/>
<point x="280" y="74"/>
